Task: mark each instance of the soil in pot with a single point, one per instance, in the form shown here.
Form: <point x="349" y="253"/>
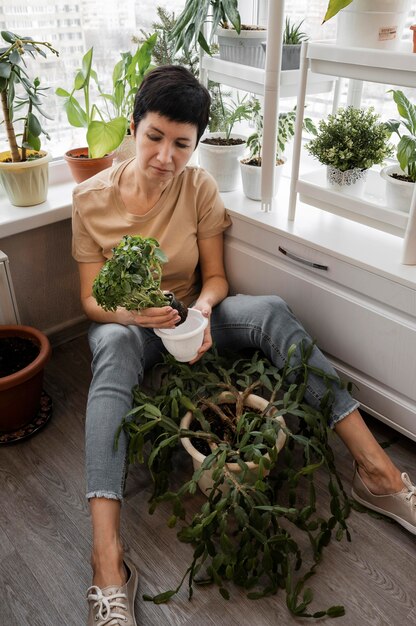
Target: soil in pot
<point x="15" y="354"/>
<point x="256" y="161"/>
<point x="181" y="308"/>
<point x="222" y="141"/>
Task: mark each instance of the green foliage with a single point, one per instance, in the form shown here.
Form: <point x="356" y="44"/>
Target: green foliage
<point x="131" y="278"/>
<point x="406" y="148"/>
<point x="243" y="532"/>
<point x="334" y="7"/>
<point x="231" y="111"/>
<point x="102" y="136"/>
<point x="292" y="35"/>
<point x="13" y="77"/>
<point x="188" y="30"/>
<point x="285" y="131"/>
<point x="352" y="138"/>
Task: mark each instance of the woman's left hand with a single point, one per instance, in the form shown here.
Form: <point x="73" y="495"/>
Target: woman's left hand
<point x="207" y="340"/>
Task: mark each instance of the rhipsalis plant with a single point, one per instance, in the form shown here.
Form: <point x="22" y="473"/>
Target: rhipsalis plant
<point x="20" y="94"/>
<point x="242" y="532"/>
<point x="131" y="278"/>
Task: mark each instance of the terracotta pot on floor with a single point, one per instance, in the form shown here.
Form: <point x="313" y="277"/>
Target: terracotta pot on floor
<point x="20" y="392"/>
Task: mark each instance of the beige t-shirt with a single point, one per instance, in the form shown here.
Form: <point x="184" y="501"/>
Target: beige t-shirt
<point x="189" y="209"/>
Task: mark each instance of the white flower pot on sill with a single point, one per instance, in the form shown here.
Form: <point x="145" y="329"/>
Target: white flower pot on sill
<point x="184" y="341"/>
<point x="242" y="48"/>
<point x="372" y="23"/>
<point x="26" y="182"/>
<point x="205" y="483"/>
<point x="251" y="179"/>
<point x="222" y="161"/>
<point x="398" y="192"/>
<point x="350" y="182"/>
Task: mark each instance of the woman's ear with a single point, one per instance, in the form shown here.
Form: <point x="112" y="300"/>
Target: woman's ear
<point x="132" y="126"/>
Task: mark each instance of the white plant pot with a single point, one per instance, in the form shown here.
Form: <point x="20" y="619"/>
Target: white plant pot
<point x="351" y="182"/>
<point x="251" y="179"/>
<point x="372" y="23"/>
<point x="398" y="192"/>
<point x="184" y="341"/>
<point x="222" y="161"/>
<point x="26" y="182"/>
<point x="242" y="48"/>
<point x="205" y="483"/>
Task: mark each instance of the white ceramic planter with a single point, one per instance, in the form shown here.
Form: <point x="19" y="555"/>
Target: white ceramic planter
<point x="242" y="48"/>
<point x="205" y="482"/>
<point x="350" y="182"/>
<point x="184" y="341"/>
<point x="251" y="179"/>
<point x="222" y="161"/>
<point x="398" y="192"/>
<point x="372" y="23"/>
<point x="26" y="183"/>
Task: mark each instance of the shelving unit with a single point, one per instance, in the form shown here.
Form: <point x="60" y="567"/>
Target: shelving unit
<point x="382" y="66"/>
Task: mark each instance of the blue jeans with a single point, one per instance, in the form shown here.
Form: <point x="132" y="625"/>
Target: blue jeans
<point x="121" y="354"/>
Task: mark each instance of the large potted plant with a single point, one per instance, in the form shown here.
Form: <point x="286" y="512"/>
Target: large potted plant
<point x="251" y="165"/>
<point x="401" y="177"/>
<point x="245" y="531"/>
<point x="24" y="169"/>
<point x="369" y="23"/>
<point x="349" y="143"/>
<point x="103" y="133"/>
<point x="219" y="151"/>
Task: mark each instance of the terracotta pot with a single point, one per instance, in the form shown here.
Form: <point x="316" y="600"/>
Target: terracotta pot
<point x="205" y="483"/>
<point x="82" y="167"/>
<point x="20" y="392"/>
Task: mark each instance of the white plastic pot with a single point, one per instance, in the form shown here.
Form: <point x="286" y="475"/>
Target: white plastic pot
<point x="205" y="483"/>
<point x="251" y="179"/>
<point x="398" y="192"/>
<point x="372" y="23"/>
<point x="26" y="182"/>
<point x="222" y="161"/>
<point x="242" y="48"/>
<point x="184" y="341"/>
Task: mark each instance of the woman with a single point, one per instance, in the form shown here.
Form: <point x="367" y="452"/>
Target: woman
<point x="155" y="194"/>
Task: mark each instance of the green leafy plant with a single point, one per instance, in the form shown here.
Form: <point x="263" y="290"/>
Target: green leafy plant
<point x="406" y="148"/>
<point x="230" y="112"/>
<point x="352" y="138"/>
<point x="21" y="94"/>
<point x="334" y="7"/>
<point x="244" y="532"/>
<point x="189" y="28"/>
<point x="102" y="136"/>
<point x="285" y="132"/>
<point x="131" y="278"/>
<point x="292" y="35"/>
<point x="127" y="76"/>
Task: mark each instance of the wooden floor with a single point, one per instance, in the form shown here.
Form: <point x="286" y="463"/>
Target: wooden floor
<point x="45" y="535"/>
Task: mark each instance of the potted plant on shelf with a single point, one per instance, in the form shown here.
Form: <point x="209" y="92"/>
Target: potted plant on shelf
<point x="401" y="177"/>
<point x="103" y="135"/>
<point x="242" y="531"/>
<point x="219" y="151"/>
<point x="349" y="143"/>
<point x="369" y="23"/>
<point x="251" y="166"/>
<point x="24" y="168"/>
<point x="292" y="42"/>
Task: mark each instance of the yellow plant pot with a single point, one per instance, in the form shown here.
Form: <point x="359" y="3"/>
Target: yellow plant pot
<point x="26" y="182"/>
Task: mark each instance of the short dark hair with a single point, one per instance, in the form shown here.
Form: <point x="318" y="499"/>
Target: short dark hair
<point x="174" y="92"/>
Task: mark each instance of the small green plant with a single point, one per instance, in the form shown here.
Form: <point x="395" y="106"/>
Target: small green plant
<point x="352" y="138"/>
<point x="230" y="112"/>
<point x="334" y="7"/>
<point x="406" y="148"/>
<point x="102" y="136"/>
<point x="292" y="35"/>
<point x="242" y="533"/>
<point x="285" y="132"/>
<point x="14" y="77"/>
<point x="189" y="28"/>
<point x="131" y="278"/>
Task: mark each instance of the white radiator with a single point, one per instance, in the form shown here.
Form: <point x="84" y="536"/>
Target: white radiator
<point x="8" y="307"/>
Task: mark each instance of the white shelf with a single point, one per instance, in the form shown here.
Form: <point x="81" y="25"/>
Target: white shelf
<point x="370" y="209"/>
<point x="252" y="79"/>
<point x="389" y="67"/>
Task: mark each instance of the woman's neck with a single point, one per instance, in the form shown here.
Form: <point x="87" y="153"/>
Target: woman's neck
<point x="138" y="194"/>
